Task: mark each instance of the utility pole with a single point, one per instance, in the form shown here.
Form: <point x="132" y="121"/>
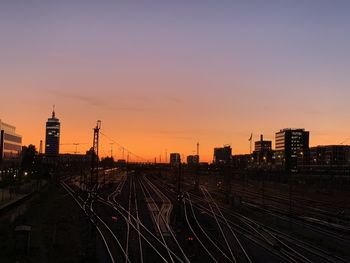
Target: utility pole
<point x="94" y="157"/>
<point x="179" y="194"/>
<point x="198" y="151"/>
<point x="41" y="147"/>
<point x="111" y="149"/>
<point x="263" y="187"/>
<point x="76" y="147"/>
<point x="179" y="179"/>
<point x="197" y="168"/>
<point x="227" y="174"/>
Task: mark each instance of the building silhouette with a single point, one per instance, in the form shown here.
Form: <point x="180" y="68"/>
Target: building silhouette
<point x="192" y="160"/>
<point x="263" y="153"/>
<point x="326" y="159"/>
<point x="175" y="159"/>
<point x="325" y="155"/>
<point x="263" y="145"/>
<point x="222" y="155"/>
<point x="52" y="141"/>
<point x="10" y="142"/>
<point x="291" y="145"/>
<point x="242" y="161"/>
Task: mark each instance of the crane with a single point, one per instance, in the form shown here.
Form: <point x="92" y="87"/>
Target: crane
<point x="76" y="144"/>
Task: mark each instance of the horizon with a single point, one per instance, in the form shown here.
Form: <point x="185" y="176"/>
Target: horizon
<point x="69" y="147"/>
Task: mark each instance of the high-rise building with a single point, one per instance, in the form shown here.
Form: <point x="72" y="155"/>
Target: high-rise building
<point x="223" y="155"/>
<point x="175" y="159"/>
<point x="52" y="142"/>
<point x="10" y="142"/>
<point x="291" y="145"/>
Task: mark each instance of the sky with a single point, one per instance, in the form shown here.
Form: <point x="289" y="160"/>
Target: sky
<point x="164" y="75"/>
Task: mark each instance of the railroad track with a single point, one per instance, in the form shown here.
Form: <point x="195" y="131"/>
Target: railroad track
<point x="275" y="240"/>
<point x="278" y="240"/>
<point x="210" y="201"/>
<point x="316" y="209"/>
<point x="144" y="207"/>
<point x="104" y="231"/>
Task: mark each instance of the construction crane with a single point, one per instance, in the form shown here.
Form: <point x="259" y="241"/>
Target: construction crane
<point x="76" y="144"/>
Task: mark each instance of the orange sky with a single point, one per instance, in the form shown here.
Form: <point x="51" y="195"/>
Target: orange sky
<point x="184" y="74"/>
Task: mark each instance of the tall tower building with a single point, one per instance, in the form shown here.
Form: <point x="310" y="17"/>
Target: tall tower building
<point x="52" y="140"/>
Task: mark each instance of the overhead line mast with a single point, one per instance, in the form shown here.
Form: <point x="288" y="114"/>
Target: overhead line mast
<point x="94" y="155"/>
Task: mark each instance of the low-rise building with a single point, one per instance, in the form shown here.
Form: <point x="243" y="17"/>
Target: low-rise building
<point x="222" y="155"/>
<point x="192" y="160"/>
<point x="10" y="142"/>
<point x="241" y="161"/>
<point x="263" y="154"/>
<point x="330" y="155"/>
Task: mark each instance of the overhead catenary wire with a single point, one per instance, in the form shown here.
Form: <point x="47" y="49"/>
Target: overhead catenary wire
<point x="123" y="147"/>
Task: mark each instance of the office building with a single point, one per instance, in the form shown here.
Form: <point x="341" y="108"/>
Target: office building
<point x="222" y="155"/>
<point x="10" y="142"/>
<point x="175" y="159"/>
<point x="52" y="142"/>
<point x="290" y="145"/>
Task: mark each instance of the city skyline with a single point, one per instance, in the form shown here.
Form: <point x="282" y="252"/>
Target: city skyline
<point x="125" y="153"/>
<point x="164" y="76"/>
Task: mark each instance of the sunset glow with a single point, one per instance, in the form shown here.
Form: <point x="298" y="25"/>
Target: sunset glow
<point x="164" y="75"/>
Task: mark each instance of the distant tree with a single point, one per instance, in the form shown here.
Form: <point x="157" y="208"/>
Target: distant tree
<point x="90" y="153"/>
<point x="29" y="157"/>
